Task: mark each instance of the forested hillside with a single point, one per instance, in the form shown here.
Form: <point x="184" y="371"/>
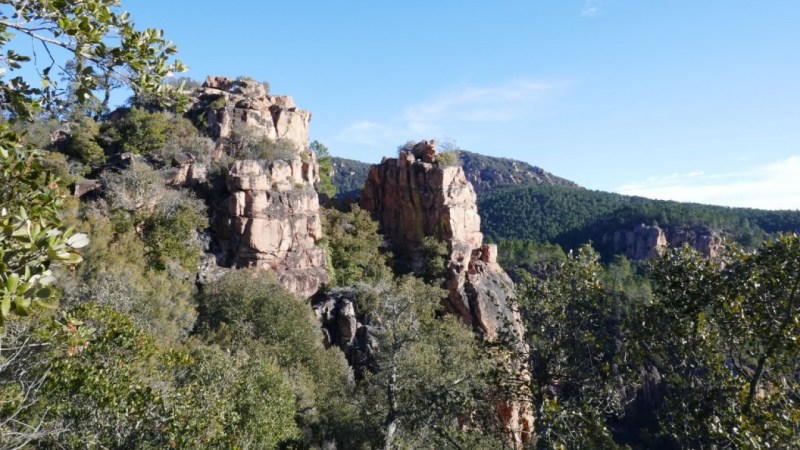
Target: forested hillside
<point x="349" y="176"/>
<point x="570" y="217"/>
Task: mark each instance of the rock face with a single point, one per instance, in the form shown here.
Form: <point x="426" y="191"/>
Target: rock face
<point x="412" y="198"/>
<point x="273" y="221"/>
<point x="185" y="171"/>
<point x="227" y="105"/>
<point x="341" y="326"/>
<point x="645" y="242"/>
<point x="707" y="242"/>
<point x="272" y="217"/>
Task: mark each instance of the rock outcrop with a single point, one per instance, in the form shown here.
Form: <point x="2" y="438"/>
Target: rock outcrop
<point x="273" y="221"/>
<point x="228" y="105"/>
<point x="412" y="197"/>
<point x="705" y="241"/>
<point x="343" y="327"/>
<point x="651" y="241"/>
<point x="272" y="215"/>
<point x="185" y="171"/>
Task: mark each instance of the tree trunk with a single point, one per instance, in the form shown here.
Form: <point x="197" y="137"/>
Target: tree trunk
<point x="391" y="416"/>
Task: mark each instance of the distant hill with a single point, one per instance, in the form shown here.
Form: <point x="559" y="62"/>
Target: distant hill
<point x="570" y="217"/>
<point x="349" y="176"/>
<point x="487" y="174"/>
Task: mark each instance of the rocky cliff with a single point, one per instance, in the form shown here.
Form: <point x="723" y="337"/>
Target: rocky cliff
<point x="271" y="218"/>
<point x="344" y="328"/>
<point x="227" y="106"/>
<point x="412" y="197"/>
<point x="644" y="242"/>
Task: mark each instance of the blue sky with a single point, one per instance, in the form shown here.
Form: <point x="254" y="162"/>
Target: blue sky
<point x="694" y="100"/>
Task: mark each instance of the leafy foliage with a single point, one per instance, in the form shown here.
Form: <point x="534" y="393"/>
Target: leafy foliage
<point x="325" y="162"/>
<point x="353" y="243"/>
<point x="430" y="375"/>
<point x="118" y="272"/>
<point x="31" y="236"/>
<point x="578" y="355"/>
<point x="725" y="340"/>
<point x="448" y="159"/>
<point x="170" y="233"/>
<point x="250" y="312"/>
<point x="139" y="132"/>
<point x="104" y="382"/>
<point x="100" y="38"/>
<point x="83" y="142"/>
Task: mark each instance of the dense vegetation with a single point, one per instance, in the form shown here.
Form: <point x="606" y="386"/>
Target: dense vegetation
<point x="570" y="217"/>
<point x="349" y="176"/>
<point x="115" y="333"/>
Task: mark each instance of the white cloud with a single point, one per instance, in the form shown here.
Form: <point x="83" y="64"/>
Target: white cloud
<point x="770" y="186"/>
<point x="452" y="110"/>
<point x="591" y="8"/>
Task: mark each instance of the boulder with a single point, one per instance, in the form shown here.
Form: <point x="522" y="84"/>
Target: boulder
<point x="185" y="171"/>
<point x="344" y="327"/>
<point x="425" y="150"/>
<point x="83" y="187"/>
<point x="217" y="82"/>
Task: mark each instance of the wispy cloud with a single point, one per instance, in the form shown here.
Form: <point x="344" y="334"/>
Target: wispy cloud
<point x="769" y="186"/>
<point x="365" y="132"/>
<point x="452" y="109"/>
<point x="591" y="8"/>
<point x="499" y="103"/>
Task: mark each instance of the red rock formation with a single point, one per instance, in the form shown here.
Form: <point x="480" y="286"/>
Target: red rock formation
<point x="414" y="199"/>
<point x="644" y="242"/>
<point x="272" y="219"/>
<point x="228" y="104"/>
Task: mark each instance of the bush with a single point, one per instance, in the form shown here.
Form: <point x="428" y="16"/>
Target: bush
<point x="434" y="254"/>
<point x="38" y="133"/>
<point x="250" y="311"/>
<point x="448" y="159"/>
<point x="82" y="143"/>
<point x="325" y="163"/>
<point x="132" y="190"/>
<point x="105" y="383"/>
<point x="353" y="243"/>
<point x="183" y="138"/>
<point x="170" y="233"/>
<point x="117" y="272"/>
<point x="248" y="142"/>
<point x="139" y="131"/>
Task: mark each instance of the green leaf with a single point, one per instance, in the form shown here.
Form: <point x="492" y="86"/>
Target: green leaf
<point x="5" y="306"/>
<point x="12" y="282"/>
<point x="78" y="240"/>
